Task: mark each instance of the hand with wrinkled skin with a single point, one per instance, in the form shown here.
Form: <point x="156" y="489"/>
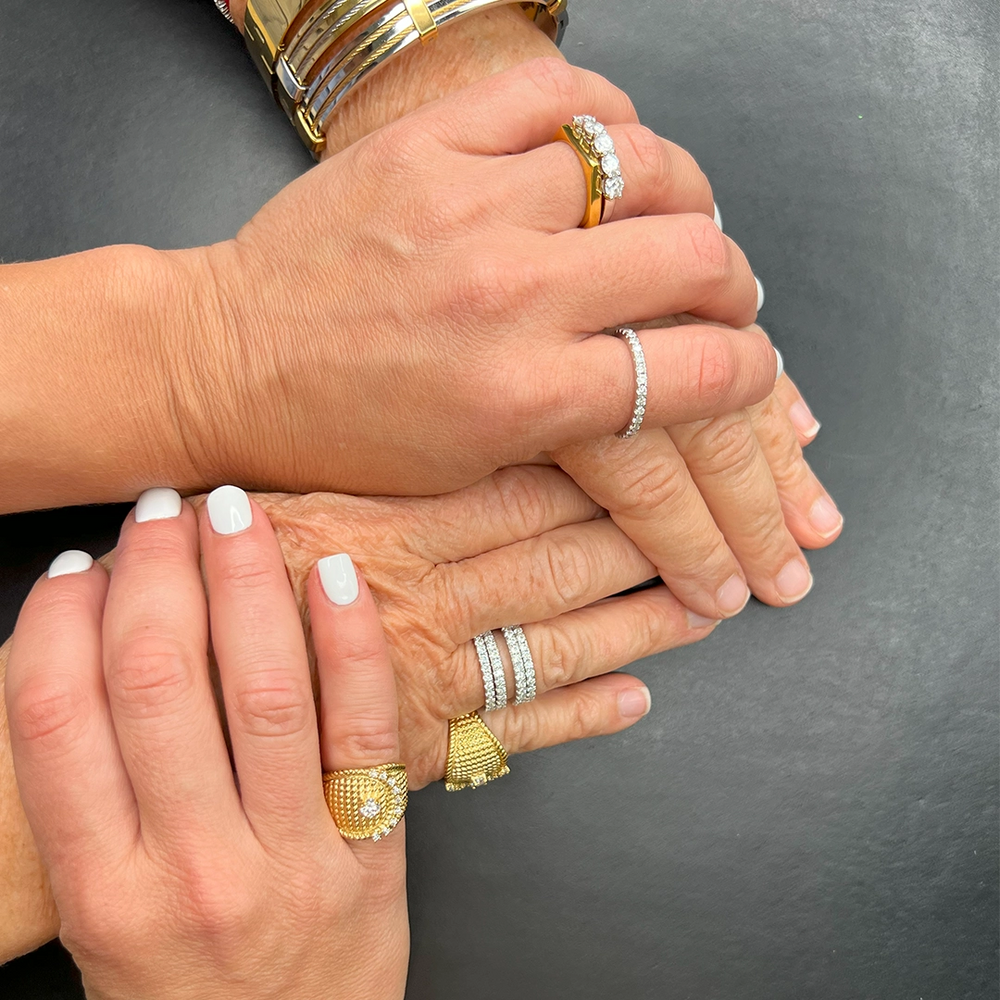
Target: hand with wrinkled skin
<point x="441" y="570"/>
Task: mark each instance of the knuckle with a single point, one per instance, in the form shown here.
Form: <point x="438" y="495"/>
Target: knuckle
<point x="368" y="741"/>
<point x="714" y="372"/>
<point x="151" y="673"/>
<point x="708" y="252"/>
<point x="585" y="716"/>
<point x="646" y="488"/>
<point x="522" y="501"/>
<point x="522" y="728"/>
<point x="46" y="712"/>
<point x="650" y="154"/>
<point x="568" y="571"/>
<point x="725" y="446"/>
<point x="559" y="658"/>
<point x="554" y="76"/>
<point x="493" y="285"/>
<point x="271" y="704"/>
<point x="245" y="574"/>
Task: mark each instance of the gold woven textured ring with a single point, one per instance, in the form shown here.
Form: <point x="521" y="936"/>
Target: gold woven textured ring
<point x="366" y="802"/>
<point x="475" y="755"/>
<point x="590" y="140"/>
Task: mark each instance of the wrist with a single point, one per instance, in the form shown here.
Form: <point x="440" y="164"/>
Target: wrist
<point x="475" y="47"/>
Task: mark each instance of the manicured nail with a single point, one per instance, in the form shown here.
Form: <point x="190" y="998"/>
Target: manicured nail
<point x="229" y="510"/>
<point x="73" y="561"/>
<point x="825" y="518"/>
<point x="634" y="703"/>
<point x="339" y="579"/>
<point x="803" y="420"/>
<point x="718" y="215"/>
<point x="760" y="294"/>
<point x="158" y="504"/>
<point x="700" y="621"/>
<point x="781" y="364"/>
<point x="733" y="596"/>
<point x="794" y="581"/>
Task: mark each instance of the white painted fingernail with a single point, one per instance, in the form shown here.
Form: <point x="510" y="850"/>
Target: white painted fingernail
<point x="781" y="364"/>
<point x="339" y="579"/>
<point x="229" y="510"/>
<point x="718" y="215"/>
<point x="73" y="561"/>
<point x="760" y="294"/>
<point x="158" y="504"/>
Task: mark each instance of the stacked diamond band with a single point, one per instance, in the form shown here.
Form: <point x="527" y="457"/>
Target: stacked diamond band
<point x="596" y="140"/>
<point x="492" y="667"/>
<point x="602" y="171"/>
<point x="641" y="382"/>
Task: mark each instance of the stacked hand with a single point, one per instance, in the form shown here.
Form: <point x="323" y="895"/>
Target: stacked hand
<point x="174" y="877"/>
<point x="422" y="309"/>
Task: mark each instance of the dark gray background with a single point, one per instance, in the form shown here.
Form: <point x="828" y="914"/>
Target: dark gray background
<point x="810" y="811"/>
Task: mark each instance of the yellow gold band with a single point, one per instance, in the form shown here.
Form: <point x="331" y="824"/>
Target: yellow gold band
<point x="594" y="211"/>
<point x="475" y="755"/>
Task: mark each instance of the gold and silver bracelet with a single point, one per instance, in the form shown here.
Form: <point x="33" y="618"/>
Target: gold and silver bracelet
<point x="313" y="54"/>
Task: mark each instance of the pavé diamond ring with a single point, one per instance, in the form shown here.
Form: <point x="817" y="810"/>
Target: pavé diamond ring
<point x="596" y="149"/>
<point x="494" y="673"/>
<point x="366" y="802"/>
<point x="641" y="382"/>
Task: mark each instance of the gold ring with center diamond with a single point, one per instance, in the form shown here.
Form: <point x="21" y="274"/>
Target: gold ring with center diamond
<point x="590" y="140"/>
<point x="366" y="802"/>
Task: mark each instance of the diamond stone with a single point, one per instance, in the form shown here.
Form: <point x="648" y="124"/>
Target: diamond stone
<point x="614" y="187"/>
<point x="610" y="164"/>
<point x="604" y="144"/>
<point x="370" y="809"/>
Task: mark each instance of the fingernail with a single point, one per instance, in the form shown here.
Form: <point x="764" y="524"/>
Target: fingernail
<point x="158" y="504"/>
<point x="803" y="420"/>
<point x="700" y="621"/>
<point x="634" y="703"/>
<point x="825" y="518"/>
<point x="229" y="510"/>
<point x="781" y="364"/>
<point x="733" y="596"/>
<point x="339" y="579"/>
<point x="794" y="581"/>
<point x="73" y="561"/>
<point x="760" y="294"/>
<point x="718" y="215"/>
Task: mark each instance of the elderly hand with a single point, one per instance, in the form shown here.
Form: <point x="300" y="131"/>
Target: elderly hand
<point x="171" y="879"/>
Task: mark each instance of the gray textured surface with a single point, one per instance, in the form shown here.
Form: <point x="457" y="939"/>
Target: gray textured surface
<point x="810" y="811"/>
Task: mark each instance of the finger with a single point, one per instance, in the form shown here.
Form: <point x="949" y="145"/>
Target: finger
<point x="509" y="506"/>
<point x="694" y="372"/>
<point x="647" y="488"/>
<point x="521" y="108"/>
<point x="558" y="571"/>
<point x="660" y="179"/>
<point x="263" y="666"/>
<point x="809" y="511"/>
<point x="802" y="419"/>
<point x="359" y="717"/>
<point x="593" y="641"/>
<point x="156" y="672"/>
<point x="597" y="707"/>
<point x="730" y="471"/>
<point x="642" y="269"/>
<point x="71" y="779"/>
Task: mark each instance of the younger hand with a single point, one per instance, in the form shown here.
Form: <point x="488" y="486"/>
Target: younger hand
<point x="174" y="877"/>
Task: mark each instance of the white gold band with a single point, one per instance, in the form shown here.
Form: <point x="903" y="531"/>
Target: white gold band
<point x="524" y="666"/>
<point x="641" y="382"/>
